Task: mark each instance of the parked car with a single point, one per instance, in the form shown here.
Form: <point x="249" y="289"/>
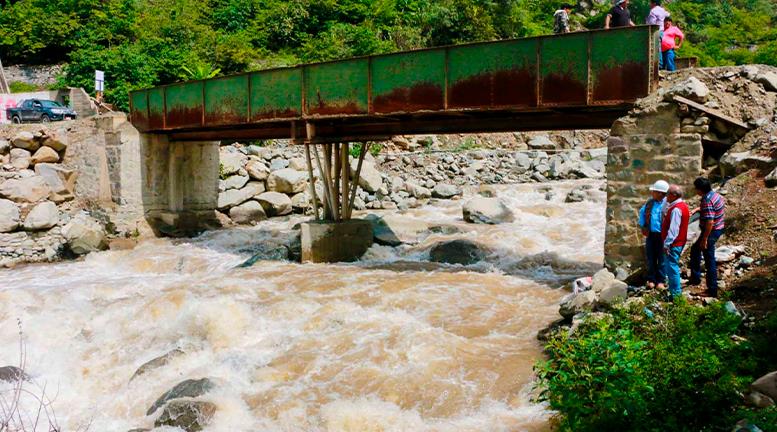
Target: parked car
<point x="39" y="110"/>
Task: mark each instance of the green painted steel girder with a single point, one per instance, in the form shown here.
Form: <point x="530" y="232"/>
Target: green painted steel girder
<point x="587" y="70"/>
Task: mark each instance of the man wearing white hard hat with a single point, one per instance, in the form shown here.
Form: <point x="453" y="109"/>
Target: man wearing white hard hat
<point x="650" y="220"/>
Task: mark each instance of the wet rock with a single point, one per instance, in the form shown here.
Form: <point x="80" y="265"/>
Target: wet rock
<point x="84" y="235"/>
<point x="157" y="362"/>
<point x="189" y="415"/>
<point x="9" y="216"/>
<point x="767" y="385"/>
<point x="233" y="197"/>
<point x="248" y="212"/>
<point x="577" y="303"/>
<point x="62" y="181"/>
<point x="30" y="189"/>
<point x="25" y="140"/>
<point x="287" y="181"/>
<point x="45" y="155"/>
<point x="462" y="252"/>
<point x="257" y="170"/>
<point x="445" y="191"/>
<point x="12" y="374"/>
<point x="691" y="88"/>
<point x="235" y="182"/>
<point x="394" y="230"/>
<point x="43" y="216"/>
<point x="370" y="178"/>
<point x="20" y="158"/>
<point x="190" y="388"/>
<point x="230" y="162"/>
<point x="487" y="211"/>
<point x="275" y="203"/>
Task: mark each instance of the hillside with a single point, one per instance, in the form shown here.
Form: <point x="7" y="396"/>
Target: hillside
<point x="141" y="43"/>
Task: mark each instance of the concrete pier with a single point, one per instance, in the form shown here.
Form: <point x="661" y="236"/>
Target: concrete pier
<point x="180" y="184"/>
<point x="327" y="242"/>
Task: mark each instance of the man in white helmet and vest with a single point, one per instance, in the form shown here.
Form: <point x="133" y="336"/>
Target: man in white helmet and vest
<point x="650" y="220"/>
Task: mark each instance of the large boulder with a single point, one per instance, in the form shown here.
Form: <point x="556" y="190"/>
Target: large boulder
<point x="768" y="79"/>
<point x="370" y="179"/>
<point x="189" y="415"/>
<point x="287" y="180"/>
<point x="21" y="158"/>
<point x="45" y="155"/>
<point x="257" y="170"/>
<point x="275" y="203"/>
<point x="445" y="191"/>
<point x="157" y="362"/>
<point x="234" y="182"/>
<point x="691" y="88"/>
<point x="56" y="141"/>
<point x="84" y="234"/>
<point x="25" y="140"/>
<point x="577" y="303"/>
<point x="190" y="388"/>
<point x="732" y="164"/>
<point x="487" y="211"/>
<point x="233" y="197"/>
<point x="62" y="181"/>
<point x="616" y="292"/>
<point x="542" y="142"/>
<point x="248" y="212"/>
<point x="393" y="229"/>
<point x="417" y="191"/>
<point x="9" y="216"/>
<point x="299" y="164"/>
<point x="42" y="217"/>
<point x="230" y="162"/>
<point x="766" y="385"/>
<point x="30" y="189"/>
<point x="462" y="252"/>
<point x="602" y="280"/>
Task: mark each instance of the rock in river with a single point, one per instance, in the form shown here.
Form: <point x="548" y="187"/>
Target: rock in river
<point x="487" y="211"/>
<point x="462" y="252"/>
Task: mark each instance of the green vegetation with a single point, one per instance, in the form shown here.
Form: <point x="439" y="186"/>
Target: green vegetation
<point x="356" y="149"/>
<point x="677" y="367"/>
<point x="139" y="43"/>
<point x="22" y="87"/>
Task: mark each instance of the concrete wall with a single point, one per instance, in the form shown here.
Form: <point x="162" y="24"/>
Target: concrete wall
<point x="179" y="184"/>
<point x="643" y="148"/>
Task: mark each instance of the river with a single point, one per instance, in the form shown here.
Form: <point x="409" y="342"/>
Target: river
<point x="391" y="343"/>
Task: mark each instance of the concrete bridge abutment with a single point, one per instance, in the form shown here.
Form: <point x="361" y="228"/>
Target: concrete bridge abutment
<point x="180" y="184"/>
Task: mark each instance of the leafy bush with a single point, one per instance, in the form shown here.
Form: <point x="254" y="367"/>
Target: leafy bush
<point x="678" y="371"/>
<point x="22" y="87"/>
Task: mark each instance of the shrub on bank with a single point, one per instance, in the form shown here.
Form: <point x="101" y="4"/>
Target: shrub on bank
<point x="675" y="367"/>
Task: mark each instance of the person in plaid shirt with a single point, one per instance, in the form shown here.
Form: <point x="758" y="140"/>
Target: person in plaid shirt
<point x="711" y="222"/>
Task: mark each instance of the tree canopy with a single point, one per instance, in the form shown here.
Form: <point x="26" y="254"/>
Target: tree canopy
<point x="140" y="43"/>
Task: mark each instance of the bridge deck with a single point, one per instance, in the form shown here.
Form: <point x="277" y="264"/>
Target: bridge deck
<point x="579" y="80"/>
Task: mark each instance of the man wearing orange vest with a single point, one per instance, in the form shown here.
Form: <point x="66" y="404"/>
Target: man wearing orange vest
<point x="674" y="232"/>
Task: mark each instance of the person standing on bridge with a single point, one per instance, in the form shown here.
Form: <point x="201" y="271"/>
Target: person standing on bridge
<point x="671" y="40"/>
<point x="650" y="219"/>
<point x="657" y="14"/>
<point x="674" y="232"/>
<point x="561" y="19"/>
<point x="711" y="221"/>
<point x="619" y="15"/>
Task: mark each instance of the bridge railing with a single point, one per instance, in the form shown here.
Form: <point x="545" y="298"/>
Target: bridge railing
<point x="600" y="68"/>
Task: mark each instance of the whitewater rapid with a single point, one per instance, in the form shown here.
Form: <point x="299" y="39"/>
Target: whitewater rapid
<point x="391" y="343"/>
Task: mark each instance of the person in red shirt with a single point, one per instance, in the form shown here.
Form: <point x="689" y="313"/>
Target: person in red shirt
<point x="671" y="39"/>
<point x="674" y="232"/>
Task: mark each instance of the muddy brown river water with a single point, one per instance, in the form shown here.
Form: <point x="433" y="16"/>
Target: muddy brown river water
<point x="391" y="343"/>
